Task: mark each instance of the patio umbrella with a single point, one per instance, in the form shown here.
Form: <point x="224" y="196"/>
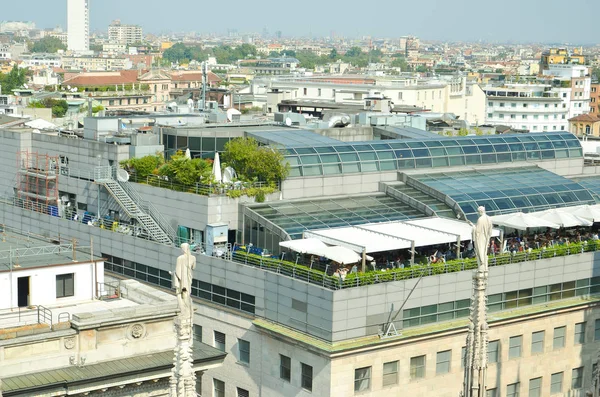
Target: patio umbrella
<point x="563" y="218"/>
<point x="590" y="212"/>
<point x="341" y="255"/>
<point x="522" y="221"/>
<point x="188" y="154"/>
<point x="216" y="171"/>
<point x="304" y="246"/>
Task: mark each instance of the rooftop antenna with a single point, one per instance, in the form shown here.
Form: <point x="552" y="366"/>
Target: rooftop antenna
<point x="204" y="80"/>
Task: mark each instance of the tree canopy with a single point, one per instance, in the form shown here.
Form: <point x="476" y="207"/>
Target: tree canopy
<point x="48" y="44"/>
<point x="59" y="106"/>
<point x="255" y="163"/>
<point x="225" y="54"/>
<point x="13" y="80"/>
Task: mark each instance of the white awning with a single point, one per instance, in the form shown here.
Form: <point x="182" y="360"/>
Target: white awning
<point x="304" y="246"/>
<point x="358" y="239"/>
<point x="522" y="221"/>
<point x="590" y="212"/>
<point x="339" y="254"/>
<point x="452" y="226"/>
<point x="562" y="218"/>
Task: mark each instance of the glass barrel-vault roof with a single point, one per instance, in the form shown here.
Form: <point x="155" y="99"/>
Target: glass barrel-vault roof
<point x="297" y="217"/>
<point x="507" y="190"/>
<point x="590" y="183"/>
<point x="389" y="155"/>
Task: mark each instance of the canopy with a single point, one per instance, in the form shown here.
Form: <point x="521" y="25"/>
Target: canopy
<point x="216" y="171"/>
<point x="304" y="246"/>
<point x="522" y="221"/>
<point x="341" y="255"/>
<point x="562" y="218"/>
<point x="590" y="212"/>
<point x="451" y="226"/>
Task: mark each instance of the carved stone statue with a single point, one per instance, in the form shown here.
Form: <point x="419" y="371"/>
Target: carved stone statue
<point x="186" y="263"/>
<point x="481" y="234"/>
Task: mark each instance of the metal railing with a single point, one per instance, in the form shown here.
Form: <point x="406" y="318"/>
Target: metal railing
<point x="111" y="290"/>
<point x="22" y="316"/>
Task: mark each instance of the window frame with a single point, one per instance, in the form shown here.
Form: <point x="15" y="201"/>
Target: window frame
<point x="579" y="378"/>
<point x="218" y="392"/>
<point x="558" y="341"/>
<point x="579" y="333"/>
<point x="535" y="342"/>
<point x="306" y="377"/>
<point x="360" y="375"/>
<point x="283" y="370"/>
<point x="217" y="344"/>
<point x="64" y="280"/>
<point x="553" y="383"/>
<point x="535" y="384"/>
<point x="511" y="348"/>
<point x="386" y="375"/>
<point x="443" y="367"/>
<point x="497" y="351"/>
<point x="242" y="353"/>
<point x="415" y="368"/>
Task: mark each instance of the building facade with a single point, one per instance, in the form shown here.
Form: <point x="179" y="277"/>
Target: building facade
<point x="78" y="25"/>
<point x="124" y="34"/>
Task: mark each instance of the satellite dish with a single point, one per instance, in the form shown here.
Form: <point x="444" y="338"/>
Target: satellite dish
<point x="288" y="121"/>
<point x="122" y="175"/>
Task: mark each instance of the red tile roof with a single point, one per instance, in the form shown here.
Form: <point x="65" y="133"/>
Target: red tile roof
<point x="586" y="118"/>
<point x="193" y="76"/>
<point x="103" y="78"/>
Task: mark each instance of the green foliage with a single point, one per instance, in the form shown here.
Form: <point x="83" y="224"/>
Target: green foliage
<point x="36" y="105"/>
<point x="254" y="162"/>
<point x="422" y="69"/>
<point x="13" y="80"/>
<point x="333" y="55"/>
<point x="180" y="169"/>
<point x="463" y="132"/>
<point x="96" y="47"/>
<point x="48" y="44"/>
<point x="596" y="73"/>
<point x="59" y="106"/>
<point x="401" y="63"/>
<point x="144" y="166"/>
<point x="309" y="60"/>
<point x="96" y="109"/>
<point x="182" y="53"/>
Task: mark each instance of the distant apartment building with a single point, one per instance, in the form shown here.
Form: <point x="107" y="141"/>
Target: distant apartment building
<point x="585" y="125"/>
<point x="124" y="34"/>
<point x="41" y="59"/>
<point x="595" y="98"/>
<point x="62" y="36"/>
<point x="561" y="56"/>
<point x="533" y="108"/>
<point x="78" y="25"/>
<point x="5" y="52"/>
<point x="578" y="79"/>
<point x="91" y="63"/>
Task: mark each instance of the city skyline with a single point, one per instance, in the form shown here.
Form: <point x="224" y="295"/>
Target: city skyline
<point x="437" y="20"/>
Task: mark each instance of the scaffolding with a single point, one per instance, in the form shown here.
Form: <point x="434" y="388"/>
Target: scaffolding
<point x="37" y="181"/>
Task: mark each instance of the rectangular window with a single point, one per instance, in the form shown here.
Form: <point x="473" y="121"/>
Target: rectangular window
<point x="559" y="338"/>
<point x="198" y="333"/>
<point x="242" y="393"/>
<point x="305" y="91"/>
<point x="417" y="367"/>
<point x="65" y="285"/>
<point x="463" y="358"/>
<point x="597" y="330"/>
<point x="556" y="382"/>
<point x="535" y="387"/>
<point x="362" y="379"/>
<point x="514" y="346"/>
<point x="219" y="388"/>
<point x="442" y="365"/>
<point x="319" y="92"/>
<point x="220" y="341"/>
<point x="390" y="373"/>
<point x="524" y="117"/>
<point x="307" y="377"/>
<point x="285" y="367"/>
<point x="491" y="392"/>
<point x="512" y="390"/>
<point x="494" y="351"/>
<point x="577" y="378"/>
<point x="580" y="333"/>
<point x="244" y="347"/>
<point x="537" y="342"/>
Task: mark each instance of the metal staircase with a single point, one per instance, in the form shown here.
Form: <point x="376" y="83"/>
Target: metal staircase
<point x="133" y="205"/>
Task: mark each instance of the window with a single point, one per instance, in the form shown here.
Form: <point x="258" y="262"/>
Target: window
<point x="490" y="103"/>
<point x="285" y="367"/>
<point x="198" y="333"/>
<point x="362" y="379"/>
<point x="501" y="104"/>
<point x="580" y="333"/>
<point x="524" y="117"/>
<point x="514" y="346"/>
<point x="390" y="373"/>
<point x="513" y="105"/>
<point x="400" y="95"/>
<point x="535" y="116"/>
<point x="219" y="388"/>
<point x="220" y="341"/>
<point x="319" y="92"/>
<point x="577" y="378"/>
<point x="513" y="116"/>
<point x="524" y="105"/>
<point x="501" y="115"/>
<point x="244" y="347"/>
<point x="512" y="390"/>
<point x="556" y="382"/>
<point x="463" y="357"/>
<point x="442" y="365"/>
<point x="242" y="393"/>
<point x="559" y="338"/>
<point x="491" y="392"/>
<point x="305" y="90"/>
<point x="307" y="377"/>
<point x="597" y="330"/>
<point x="490" y="115"/>
<point x="535" y="387"/>
<point x="537" y="342"/>
<point x="417" y="367"/>
<point x="65" y="285"/>
<point x="493" y="351"/>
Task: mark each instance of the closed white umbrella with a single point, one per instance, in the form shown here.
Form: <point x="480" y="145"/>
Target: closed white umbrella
<point x="563" y="218"/>
<point x="590" y="212"/>
<point x="188" y="154"/>
<point x="217" y="168"/>
<point x="522" y="221"/>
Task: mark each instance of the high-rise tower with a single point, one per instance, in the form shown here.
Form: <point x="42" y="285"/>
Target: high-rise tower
<point x="78" y="25"/>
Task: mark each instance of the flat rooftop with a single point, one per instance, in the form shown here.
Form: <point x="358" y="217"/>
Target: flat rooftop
<point x="26" y="250"/>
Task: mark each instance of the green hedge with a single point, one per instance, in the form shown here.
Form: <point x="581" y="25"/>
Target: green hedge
<point x="373" y="277"/>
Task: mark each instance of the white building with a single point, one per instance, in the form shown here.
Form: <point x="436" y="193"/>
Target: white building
<point x="578" y="79"/>
<point x="534" y="108"/>
<point x="78" y="25"/>
<point x="124" y="34"/>
<point x="44" y="60"/>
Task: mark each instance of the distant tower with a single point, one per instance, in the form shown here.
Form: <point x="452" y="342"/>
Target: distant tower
<point x="78" y="25"/>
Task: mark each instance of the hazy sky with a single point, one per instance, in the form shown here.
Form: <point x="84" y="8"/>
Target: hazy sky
<point x="452" y="20"/>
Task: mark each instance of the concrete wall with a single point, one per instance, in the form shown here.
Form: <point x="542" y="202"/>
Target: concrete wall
<point x="348" y="134"/>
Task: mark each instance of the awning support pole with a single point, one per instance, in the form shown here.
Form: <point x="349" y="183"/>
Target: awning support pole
<point x="412" y="252"/>
<point x="364" y="260"/>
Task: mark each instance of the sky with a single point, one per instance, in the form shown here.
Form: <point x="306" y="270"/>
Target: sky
<point x="547" y="21"/>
